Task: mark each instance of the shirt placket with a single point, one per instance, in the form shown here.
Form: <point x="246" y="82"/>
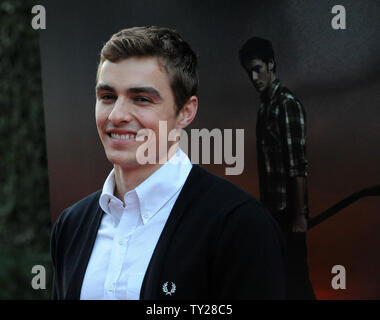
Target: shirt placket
<point x="119" y="252"/>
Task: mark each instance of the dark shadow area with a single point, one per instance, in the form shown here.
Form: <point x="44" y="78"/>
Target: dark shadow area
<point x="24" y="188"/>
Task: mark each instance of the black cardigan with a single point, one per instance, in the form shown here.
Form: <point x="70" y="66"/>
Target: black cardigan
<point x="218" y="243"/>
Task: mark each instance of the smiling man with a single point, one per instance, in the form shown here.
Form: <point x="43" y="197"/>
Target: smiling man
<point x="164" y="229"/>
<point x="134" y="104"/>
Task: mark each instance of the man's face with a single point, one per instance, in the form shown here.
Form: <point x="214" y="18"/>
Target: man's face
<point x="260" y="74"/>
<point x="131" y="95"/>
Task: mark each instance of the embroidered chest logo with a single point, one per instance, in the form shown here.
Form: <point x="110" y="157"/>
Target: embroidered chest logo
<point x="165" y="288"/>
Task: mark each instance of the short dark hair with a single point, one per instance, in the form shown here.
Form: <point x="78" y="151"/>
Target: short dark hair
<point x="175" y="55"/>
<point x="259" y="48"/>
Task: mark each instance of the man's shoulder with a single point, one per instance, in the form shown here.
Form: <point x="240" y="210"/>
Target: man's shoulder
<point x="208" y="187"/>
<point x="218" y="200"/>
<point x="286" y="100"/>
<point x="284" y="94"/>
<point x="211" y="180"/>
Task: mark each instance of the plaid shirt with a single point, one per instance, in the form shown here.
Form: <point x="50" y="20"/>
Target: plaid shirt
<point x="281" y="147"/>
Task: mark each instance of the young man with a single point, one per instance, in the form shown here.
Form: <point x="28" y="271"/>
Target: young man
<point x="161" y="229"/>
<point x="282" y="164"/>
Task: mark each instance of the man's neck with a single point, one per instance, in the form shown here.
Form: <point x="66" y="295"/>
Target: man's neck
<point x="128" y="178"/>
<point x="265" y="95"/>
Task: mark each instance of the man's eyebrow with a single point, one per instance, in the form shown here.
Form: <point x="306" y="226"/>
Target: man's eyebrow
<point x="149" y="90"/>
<point x="103" y="86"/>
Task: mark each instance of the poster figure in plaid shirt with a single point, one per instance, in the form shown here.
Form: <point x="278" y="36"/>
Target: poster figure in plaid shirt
<point x="281" y="157"/>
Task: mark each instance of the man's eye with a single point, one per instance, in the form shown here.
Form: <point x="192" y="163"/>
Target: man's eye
<point x="107" y="97"/>
<point x="142" y="99"/>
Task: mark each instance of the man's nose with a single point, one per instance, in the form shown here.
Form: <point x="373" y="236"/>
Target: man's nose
<point x="121" y="112"/>
<point x="254" y="75"/>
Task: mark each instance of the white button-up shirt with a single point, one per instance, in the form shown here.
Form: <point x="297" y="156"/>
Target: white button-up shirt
<point x="128" y="234"/>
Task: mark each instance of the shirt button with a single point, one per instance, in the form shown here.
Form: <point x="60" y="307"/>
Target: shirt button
<point x="121" y="242"/>
<point x="111" y="287"/>
<point x="146" y="215"/>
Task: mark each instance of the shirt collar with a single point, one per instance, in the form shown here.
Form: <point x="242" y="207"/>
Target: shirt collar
<point x="153" y="193"/>
<point x="107" y="201"/>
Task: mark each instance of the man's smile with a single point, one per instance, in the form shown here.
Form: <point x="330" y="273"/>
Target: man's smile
<point x="122" y="136"/>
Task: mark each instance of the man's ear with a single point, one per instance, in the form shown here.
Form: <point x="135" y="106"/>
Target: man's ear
<point x="187" y="113"/>
<point x="270" y="65"/>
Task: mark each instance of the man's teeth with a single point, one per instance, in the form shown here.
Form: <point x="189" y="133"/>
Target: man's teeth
<point x="123" y="136"/>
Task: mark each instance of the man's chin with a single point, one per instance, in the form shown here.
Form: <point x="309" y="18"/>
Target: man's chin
<point x="260" y="89"/>
<point x="122" y="161"/>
